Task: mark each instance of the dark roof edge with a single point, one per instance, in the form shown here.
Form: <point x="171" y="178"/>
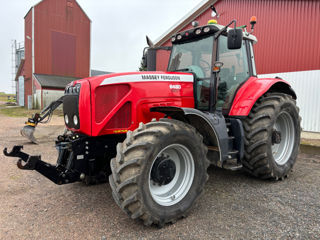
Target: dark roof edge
<point x="35" y="75"/>
<point x="28" y="12"/>
<point x="52" y="75"/>
<point x="194" y="13"/>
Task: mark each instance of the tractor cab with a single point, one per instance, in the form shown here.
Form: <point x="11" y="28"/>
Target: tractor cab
<point x="208" y="52"/>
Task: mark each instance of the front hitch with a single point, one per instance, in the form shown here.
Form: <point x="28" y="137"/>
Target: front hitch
<point x="56" y="174"/>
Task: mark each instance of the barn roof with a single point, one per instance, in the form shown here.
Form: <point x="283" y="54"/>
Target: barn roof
<point x="189" y="17"/>
<point x="98" y="72"/>
<point x="52" y="81"/>
<point x="46" y="0"/>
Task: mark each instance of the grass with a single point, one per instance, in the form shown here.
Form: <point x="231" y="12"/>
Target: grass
<point x="19" y="111"/>
<point x="23" y="112"/>
<point x="4" y="97"/>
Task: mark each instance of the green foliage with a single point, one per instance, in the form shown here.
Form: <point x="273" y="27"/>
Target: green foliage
<point x="142" y="68"/>
<point x="6" y="97"/>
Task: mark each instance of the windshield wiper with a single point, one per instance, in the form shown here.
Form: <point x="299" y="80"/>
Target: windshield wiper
<point x="181" y="70"/>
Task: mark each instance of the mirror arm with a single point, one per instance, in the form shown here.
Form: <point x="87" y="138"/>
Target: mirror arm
<point x="225" y="28"/>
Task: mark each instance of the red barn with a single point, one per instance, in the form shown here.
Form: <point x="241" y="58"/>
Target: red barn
<point x="57" y="49"/>
<point x="288" y="34"/>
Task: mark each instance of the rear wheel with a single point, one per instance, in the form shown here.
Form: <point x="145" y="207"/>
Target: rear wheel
<point x="159" y="171"/>
<point x="272" y="136"/>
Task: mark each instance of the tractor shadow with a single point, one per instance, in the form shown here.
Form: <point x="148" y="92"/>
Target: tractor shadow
<point x="221" y="187"/>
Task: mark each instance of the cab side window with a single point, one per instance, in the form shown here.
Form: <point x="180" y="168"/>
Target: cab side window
<point x="235" y="70"/>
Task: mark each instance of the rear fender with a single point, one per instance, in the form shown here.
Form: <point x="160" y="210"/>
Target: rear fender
<point x="211" y="126"/>
<point x="253" y="89"/>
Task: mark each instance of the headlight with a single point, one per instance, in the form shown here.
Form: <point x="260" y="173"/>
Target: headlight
<point x="66" y="119"/>
<point x="179" y="37"/>
<point x="75" y="120"/>
<point x="206" y="29"/>
<point x="198" y="31"/>
<point x="77" y="88"/>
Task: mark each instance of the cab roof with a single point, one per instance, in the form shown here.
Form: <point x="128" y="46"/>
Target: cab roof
<point x="202" y="31"/>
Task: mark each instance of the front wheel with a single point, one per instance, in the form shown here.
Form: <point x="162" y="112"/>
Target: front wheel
<point x="159" y="171"/>
<point x="272" y="136"/>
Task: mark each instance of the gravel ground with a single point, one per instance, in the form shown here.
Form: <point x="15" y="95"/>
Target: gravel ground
<point x="234" y="205"/>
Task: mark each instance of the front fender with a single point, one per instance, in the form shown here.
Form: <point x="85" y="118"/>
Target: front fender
<point x="253" y="89"/>
<point x="211" y="126"/>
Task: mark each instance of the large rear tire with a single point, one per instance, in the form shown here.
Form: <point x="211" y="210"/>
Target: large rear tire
<point x="272" y="136"/>
<point x="159" y="171"/>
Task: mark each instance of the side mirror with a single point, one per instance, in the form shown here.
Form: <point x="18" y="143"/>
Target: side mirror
<point x="144" y="59"/>
<point x="235" y="38"/>
<point x="149" y="42"/>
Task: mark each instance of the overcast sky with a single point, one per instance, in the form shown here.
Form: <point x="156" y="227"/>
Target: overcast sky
<point x="118" y="30"/>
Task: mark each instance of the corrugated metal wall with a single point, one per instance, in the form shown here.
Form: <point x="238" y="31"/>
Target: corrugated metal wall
<point x="306" y="84"/>
<point x="21" y="91"/>
<point x="66" y="18"/>
<point x="288" y="32"/>
<point x="50" y="96"/>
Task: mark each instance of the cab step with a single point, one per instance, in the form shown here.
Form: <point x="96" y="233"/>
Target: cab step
<point x="232" y="164"/>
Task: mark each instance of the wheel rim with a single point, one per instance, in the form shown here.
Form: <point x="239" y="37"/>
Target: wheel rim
<point x="282" y="149"/>
<point x="174" y="191"/>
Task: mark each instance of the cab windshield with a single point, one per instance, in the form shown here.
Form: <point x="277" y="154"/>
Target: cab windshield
<point x="195" y="56"/>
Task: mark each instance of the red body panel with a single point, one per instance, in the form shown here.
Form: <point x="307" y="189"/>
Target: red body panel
<point x="129" y="97"/>
<point x="85" y="107"/>
<point x="249" y="93"/>
<point x="143" y="95"/>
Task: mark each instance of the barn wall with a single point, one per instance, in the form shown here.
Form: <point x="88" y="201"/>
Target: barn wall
<point x="287" y="32"/>
<point x="306" y="84"/>
<point x="62" y="39"/>
<point x="50" y="96"/>
<point x="20" y="94"/>
<point x="37" y="99"/>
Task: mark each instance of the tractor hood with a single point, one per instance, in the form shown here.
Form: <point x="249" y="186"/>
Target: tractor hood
<point x="132" y="77"/>
<point x="116" y="103"/>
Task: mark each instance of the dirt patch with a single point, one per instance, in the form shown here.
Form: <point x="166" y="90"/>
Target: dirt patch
<point x="312" y="142"/>
<point x="234" y="205"/>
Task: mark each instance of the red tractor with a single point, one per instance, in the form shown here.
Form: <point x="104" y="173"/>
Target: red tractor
<point x="156" y="133"/>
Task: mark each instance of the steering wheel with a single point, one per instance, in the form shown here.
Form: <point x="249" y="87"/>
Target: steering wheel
<point x="206" y="66"/>
<point x="198" y="71"/>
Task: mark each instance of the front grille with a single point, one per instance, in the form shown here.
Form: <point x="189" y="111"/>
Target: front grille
<point x="71" y="109"/>
<point x="122" y="119"/>
<point x="106" y="97"/>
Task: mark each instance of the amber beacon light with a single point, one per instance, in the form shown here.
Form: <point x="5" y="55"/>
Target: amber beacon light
<point x="253" y="21"/>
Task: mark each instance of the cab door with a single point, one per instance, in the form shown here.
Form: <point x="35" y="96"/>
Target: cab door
<point x="234" y="72"/>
